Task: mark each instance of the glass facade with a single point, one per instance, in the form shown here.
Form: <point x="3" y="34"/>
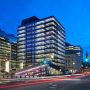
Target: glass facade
<point x="8" y="52"/>
<point x="4" y="53"/>
<point x="74" y="58"/>
<point x="41" y="39"/>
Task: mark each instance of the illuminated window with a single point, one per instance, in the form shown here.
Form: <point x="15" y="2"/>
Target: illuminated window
<point x="38" y="56"/>
<point x="21" y="42"/>
<point x="40" y="43"/>
<point x="40" y="22"/>
<point x="38" y="35"/>
<point x="47" y="20"/>
<point x="21" y="46"/>
<point x="39" y="51"/>
<point x="40" y="47"/>
<point x="49" y="28"/>
<point x="21" y="39"/>
<point x="40" y="30"/>
<point x="20" y="54"/>
<point x="21" y="50"/>
<point x="21" y="35"/>
<point x="23" y="27"/>
<point x="50" y="23"/>
<point x="48" y="37"/>
<point x="21" y="31"/>
<point x="40" y="26"/>
<point x="22" y="57"/>
<point x="39" y="39"/>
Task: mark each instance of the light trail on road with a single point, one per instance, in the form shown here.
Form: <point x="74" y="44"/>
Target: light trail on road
<point x="48" y="80"/>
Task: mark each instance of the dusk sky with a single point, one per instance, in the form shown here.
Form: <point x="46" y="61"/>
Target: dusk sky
<point x="73" y="14"/>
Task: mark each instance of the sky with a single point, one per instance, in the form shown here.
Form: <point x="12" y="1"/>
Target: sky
<point x="74" y="15"/>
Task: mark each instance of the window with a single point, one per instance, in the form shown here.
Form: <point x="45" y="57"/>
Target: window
<point x="20" y="54"/>
<point x="39" y="39"/>
<point x="50" y="23"/>
<point x="21" y="50"/>
<point x="48" y="37"/>
<point x="40" y="26"/>
<point x="21" y="39"/>
<point x="39" y="51"/>
<point x="38" y="35"/>
<point x="49" y="28"/>
<point x="40" y="47"/>
<point x="21" y="35"/>
<point x="23" y="27"/>
<point x="21" y="46"/>
<point x="40" y="22"/>
<point x="40" y="43"/>
<point x="22" y="57"/>
<point x="21" y="31"/>
<point x="47" y="20"/>
<point x="40" y="30"/>
<point x="21" y="42"/>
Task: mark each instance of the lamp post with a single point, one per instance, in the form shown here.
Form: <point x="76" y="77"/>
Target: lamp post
<point x="52" y="56"/>
<point x="73" y="67"/>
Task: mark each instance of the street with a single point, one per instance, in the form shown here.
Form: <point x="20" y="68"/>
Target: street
<point x="82" y="83"/>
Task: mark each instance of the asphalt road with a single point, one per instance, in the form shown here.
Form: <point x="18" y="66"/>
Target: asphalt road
<point x="72" y="84"/>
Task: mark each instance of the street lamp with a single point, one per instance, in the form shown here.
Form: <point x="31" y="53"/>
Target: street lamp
<point x="45" y="62"/>
<point x="73" y="63"/>
<point x="73" y="67"/>
<point x="86" y="59"/>
<point x="52" y="56"/>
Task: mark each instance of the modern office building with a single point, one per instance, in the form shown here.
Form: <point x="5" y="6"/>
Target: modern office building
<point x="14" y="51"/>
<point x="14" y="62"/>
<point x="7" y="52"/>
<point x="74" y="58"/>
<point x="41" y="40"/>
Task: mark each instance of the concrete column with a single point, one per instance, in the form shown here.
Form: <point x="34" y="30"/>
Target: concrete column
<point x="7" y="68"/>
<point x="21" y="65"/>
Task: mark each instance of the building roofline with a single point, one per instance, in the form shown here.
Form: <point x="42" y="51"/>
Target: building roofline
<point x="43" y="19"/>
